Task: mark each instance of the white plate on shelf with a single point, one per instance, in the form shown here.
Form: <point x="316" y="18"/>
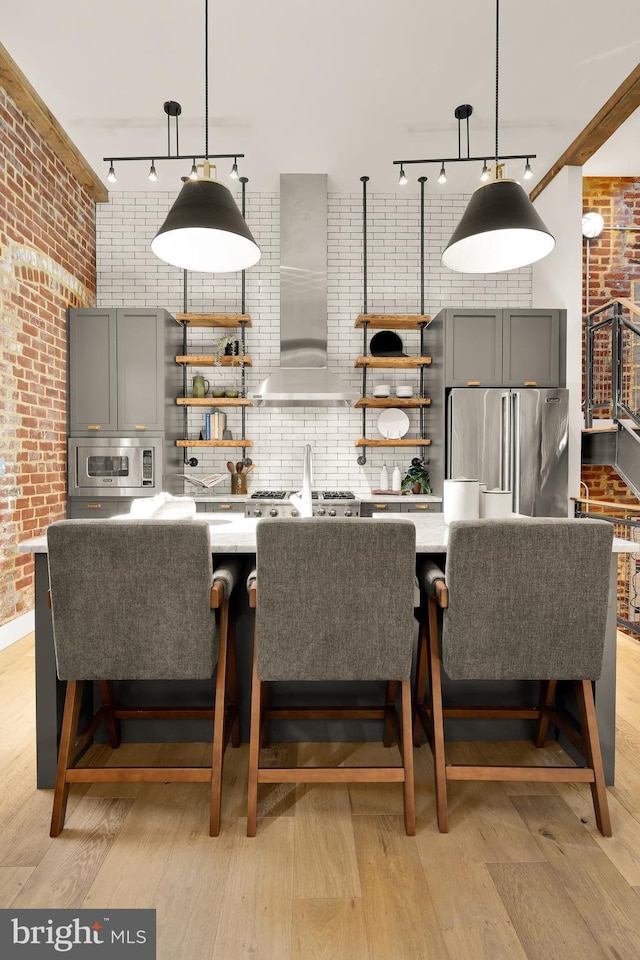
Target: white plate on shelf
<point x="393" y="424"/>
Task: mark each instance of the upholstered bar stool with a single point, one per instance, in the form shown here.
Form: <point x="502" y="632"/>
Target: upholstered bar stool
<point x="334" y="601"/>
<point x="522" y="599"/>
<point x="136" y="600"/>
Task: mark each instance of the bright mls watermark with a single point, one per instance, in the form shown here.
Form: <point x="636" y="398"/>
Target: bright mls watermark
<point x="79" y="934"/>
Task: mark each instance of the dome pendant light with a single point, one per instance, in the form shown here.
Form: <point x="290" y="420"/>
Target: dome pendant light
<point x="500" y="229"/>
<point x="204" y="230"/>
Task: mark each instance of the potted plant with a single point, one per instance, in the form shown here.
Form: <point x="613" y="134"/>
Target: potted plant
<point x="227" y="346"/>
<point x="417" y="478"/>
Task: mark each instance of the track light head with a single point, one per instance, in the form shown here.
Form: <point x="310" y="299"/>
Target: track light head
<point x="234" y="170"/>
<point x="111" y="176"/>
<point x="443" y="175"/>
<point x="402" y="179"/>
<point x="528" y="172"/>
<point x="153" y="176"/>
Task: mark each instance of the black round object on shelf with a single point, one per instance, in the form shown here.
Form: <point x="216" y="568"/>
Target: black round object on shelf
<point x="386" y="343"/>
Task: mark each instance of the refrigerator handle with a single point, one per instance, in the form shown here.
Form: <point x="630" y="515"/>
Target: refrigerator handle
<point x="516" y="451"/>
<point x="448" y="453"/>
<point x="505" y="444"/>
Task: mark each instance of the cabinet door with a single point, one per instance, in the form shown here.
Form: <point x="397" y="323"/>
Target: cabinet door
<point x="140" y="364"/>
<point x="531" y="348"/>
<point x="429" y="507"/>
<point x="374" y="509"/>
<point x="96" y="509"/>
<point x="92" y="371"/>
<point x="473" y="345"/>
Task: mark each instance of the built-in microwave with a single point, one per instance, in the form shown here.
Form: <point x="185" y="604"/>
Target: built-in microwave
<point x="112" y="467"/>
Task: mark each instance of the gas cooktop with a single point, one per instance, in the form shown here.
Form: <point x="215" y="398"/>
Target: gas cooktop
<point x="316" y="495"/>
<point x="326" y="503"/>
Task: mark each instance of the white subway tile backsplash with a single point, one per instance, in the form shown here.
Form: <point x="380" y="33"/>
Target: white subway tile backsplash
<point x="129" y="275"/>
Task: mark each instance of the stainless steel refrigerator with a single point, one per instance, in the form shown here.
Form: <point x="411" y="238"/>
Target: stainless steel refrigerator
<point x="514" y="440"/>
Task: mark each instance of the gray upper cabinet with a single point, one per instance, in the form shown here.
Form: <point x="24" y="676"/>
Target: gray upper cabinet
<point x="117" y="377"/>
<point x="93" y="402"/>
<point x="140" y="352"/>
<point x="504" y="348"/>
<point x="473" y="344"/>
<point x="532" y="341"/>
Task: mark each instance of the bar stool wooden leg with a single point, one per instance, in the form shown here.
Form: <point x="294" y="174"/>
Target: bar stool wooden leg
<point x="435" y="683"/>
<point x="232" y="683"/>
<point x="218" y="723"/>
<point x="107" y="692"/>
<point x="389" y="710"/>
<point x="547" y="696"/>
<point x="254" y="750"/>
<point x="593" y="754"/>
<point x="70" y="718"/>
<point x="407" y="761"/>
<point x="421" y="680"/>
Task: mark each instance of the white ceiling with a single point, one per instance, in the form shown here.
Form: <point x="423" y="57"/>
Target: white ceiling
<point x="336" y="86"/>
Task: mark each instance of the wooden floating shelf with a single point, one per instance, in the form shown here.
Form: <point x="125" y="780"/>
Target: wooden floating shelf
<point x="392" y="321"/>
<point x="393" y="362"/>
<point x="214" y="319"/>
<point x="214" y="443"/>
<point x="209" y="360"/>
<point x="393" y="402"/>
<point x="392" y="443"/>
<point x="213" y="402"/>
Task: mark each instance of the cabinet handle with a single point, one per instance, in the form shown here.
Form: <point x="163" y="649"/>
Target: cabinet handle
<point x="531" y="383"/>
<point x="93" y="426"/>
<point x="94" y="506"/>
<point x="473" y="383"/>
<point x="224" y="506"/>
<point x="139" y="426"/>
<point x="380" y="506"/>
<point x="421" y="506"/>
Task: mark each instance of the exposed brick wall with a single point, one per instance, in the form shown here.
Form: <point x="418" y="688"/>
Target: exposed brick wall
<point x="614" y="256"/>
<point x="614" y="267"/>
<point x="47" y="263"/>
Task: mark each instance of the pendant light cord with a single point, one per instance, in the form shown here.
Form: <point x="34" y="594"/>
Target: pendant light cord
<point x="497" y="72"/>
<point x="206" y="78"/>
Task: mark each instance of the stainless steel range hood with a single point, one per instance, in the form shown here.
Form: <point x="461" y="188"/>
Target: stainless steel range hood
<point x="303" y="379"/>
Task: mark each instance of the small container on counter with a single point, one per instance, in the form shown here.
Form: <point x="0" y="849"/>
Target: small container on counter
<point x="238" y="484"/>
<point x="396" y="480"/>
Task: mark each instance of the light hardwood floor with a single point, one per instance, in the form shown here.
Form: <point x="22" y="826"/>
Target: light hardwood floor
<point x="523" y="874"/>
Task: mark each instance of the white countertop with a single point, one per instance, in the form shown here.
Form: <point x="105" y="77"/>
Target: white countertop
<point x="238" y="534"/>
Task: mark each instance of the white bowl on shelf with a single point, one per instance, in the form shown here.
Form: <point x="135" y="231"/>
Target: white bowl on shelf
<point x="404" y="390"/>
<point x="382" y="390"/>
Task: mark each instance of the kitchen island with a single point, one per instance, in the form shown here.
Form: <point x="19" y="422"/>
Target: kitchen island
<point x="233" y="536"/>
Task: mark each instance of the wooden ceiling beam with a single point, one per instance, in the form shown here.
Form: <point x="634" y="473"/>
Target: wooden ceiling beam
<point x="36" y="111"/>
<point x="620" y="105"/>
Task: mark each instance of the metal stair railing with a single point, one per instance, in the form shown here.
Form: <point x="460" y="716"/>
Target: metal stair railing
<point x="621" y="387"/>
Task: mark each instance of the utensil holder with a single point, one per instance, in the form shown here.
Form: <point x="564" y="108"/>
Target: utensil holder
<point x="238" y="483"/>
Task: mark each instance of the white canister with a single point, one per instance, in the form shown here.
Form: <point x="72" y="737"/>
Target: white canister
<point x="461" y="499"/>
<point x="496" y="504"/>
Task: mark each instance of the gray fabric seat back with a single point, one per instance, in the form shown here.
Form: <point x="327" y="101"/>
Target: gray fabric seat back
<point x="527" y="599"/>
<point x="335" y="599"/>
<point x="131" y="599"/>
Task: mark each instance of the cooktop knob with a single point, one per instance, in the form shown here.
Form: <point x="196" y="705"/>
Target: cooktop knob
<point x="348" y="513"/>
<point x="321" y="511"/>
<point x="332" y="513"/>
<point x="295" y="513"/>
<point x="273" y="512"/>
<point x="257" y="512"/>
